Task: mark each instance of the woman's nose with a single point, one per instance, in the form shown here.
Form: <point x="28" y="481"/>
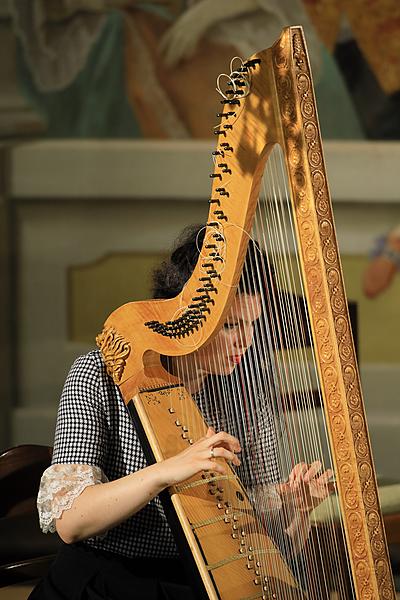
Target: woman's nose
<point x="245" y="337"/>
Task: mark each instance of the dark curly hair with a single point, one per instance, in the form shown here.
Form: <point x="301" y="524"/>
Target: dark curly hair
<point x="171" y="276"/>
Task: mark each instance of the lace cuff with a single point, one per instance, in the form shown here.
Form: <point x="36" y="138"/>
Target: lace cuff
<point x="59" y="486"/>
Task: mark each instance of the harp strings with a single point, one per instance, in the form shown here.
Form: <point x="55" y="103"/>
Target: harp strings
<point x="305" y="434"/>
<point x="276" y="373"/>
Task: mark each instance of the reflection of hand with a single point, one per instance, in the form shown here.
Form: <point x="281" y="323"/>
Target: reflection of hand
<point x="200" y="457"/>
<point x="181" y="40"/>
<point x="306" y="488"/>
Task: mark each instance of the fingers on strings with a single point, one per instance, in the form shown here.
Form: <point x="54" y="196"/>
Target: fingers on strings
<point x="220" y="445"/>
<point x="306" y="473"/>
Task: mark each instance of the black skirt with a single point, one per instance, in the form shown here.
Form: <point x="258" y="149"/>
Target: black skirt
<point x="83" y="573"/>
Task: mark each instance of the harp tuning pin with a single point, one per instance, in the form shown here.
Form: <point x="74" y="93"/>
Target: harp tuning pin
<point x="227" y="146"/>
<point x="214" y="201"/>
<point x="219" y="132"/>
<point x="252" y="62"/>
<point x="216" y="175"/>
<point x="227" y="126"/>
<point x="217" y="152"/>
<point x="228" y="114"/>
<point x="234" y="102"/>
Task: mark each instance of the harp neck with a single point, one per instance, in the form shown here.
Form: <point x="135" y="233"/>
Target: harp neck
<point x="251" y="124"/>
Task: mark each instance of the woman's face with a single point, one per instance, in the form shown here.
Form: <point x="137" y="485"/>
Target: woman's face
<point x="227" y="348"/>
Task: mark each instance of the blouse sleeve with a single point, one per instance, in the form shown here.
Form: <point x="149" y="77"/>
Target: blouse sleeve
<point x="81" y="442"/>
<point x="60" y="485"/>
<point x="82" y="429"/>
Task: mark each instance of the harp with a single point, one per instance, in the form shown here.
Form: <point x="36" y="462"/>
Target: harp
<point x="269" y="123"/>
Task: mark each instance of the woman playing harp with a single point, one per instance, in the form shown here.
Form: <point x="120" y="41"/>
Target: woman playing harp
<point x="102" y="497"/>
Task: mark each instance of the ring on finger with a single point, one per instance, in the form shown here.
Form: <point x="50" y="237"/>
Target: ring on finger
<point x="212" y="455"/>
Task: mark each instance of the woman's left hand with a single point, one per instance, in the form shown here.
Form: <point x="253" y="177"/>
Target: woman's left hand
<point x="306" y="487"/>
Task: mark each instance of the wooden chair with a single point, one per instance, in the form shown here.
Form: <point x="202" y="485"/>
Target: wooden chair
<point x="25" y="552"/>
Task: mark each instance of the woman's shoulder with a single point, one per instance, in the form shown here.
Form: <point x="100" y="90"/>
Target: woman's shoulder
<point x="92" y="361"/>
<point x="89" y="369"/>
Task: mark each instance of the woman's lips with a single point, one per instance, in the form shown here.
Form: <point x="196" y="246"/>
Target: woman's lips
<point x="236" y="358"/>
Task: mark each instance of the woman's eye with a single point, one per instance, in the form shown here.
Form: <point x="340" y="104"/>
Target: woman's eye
<point x="230" y="325"/>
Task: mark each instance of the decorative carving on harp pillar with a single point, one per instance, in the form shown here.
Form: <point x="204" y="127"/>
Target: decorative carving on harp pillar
<point x="270" y="101"/>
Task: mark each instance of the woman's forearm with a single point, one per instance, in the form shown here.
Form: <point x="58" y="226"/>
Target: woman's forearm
<point x="101" y="507"/>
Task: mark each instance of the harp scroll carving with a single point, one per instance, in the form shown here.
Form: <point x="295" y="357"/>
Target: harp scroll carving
<point x="115" y="350"/>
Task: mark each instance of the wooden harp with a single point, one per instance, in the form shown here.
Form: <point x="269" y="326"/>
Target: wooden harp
<point x="269" y="121"/>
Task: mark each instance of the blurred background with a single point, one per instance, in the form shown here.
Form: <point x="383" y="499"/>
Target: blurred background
<point x="106" y="116"/>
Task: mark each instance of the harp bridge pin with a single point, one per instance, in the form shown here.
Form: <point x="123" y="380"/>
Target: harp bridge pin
<point x="178" y="423"/>
<point x="171" y="410"/>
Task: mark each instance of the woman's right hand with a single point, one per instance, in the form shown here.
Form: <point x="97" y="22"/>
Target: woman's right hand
<point x="200" y="457"/>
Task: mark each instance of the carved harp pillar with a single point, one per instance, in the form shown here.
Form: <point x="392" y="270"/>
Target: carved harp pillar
<point x="269" y="130"/>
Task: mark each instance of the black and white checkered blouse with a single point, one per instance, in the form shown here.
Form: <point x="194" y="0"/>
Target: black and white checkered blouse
<point x="94" y="428"/>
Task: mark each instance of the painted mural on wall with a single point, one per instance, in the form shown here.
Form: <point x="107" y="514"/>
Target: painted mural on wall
<point x="123" y="68"/>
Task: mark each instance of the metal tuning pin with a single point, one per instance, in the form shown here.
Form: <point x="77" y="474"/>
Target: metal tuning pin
<point x="227" y="114"/>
